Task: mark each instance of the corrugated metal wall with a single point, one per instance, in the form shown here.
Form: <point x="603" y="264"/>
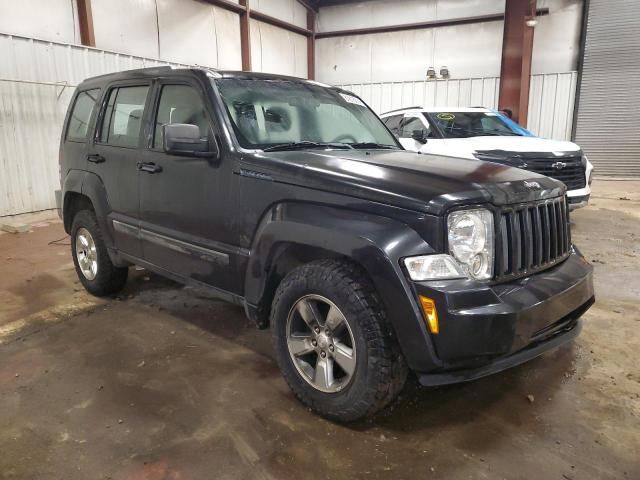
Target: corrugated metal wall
<point x="37" y="79"/>
<point x="550" y="103"/>
<point x="609" y="102"/>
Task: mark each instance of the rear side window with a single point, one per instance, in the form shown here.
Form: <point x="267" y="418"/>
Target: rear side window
<point x="180" y="104"/>
<point x="122" y="119"/>
<point x="81" y="114"/>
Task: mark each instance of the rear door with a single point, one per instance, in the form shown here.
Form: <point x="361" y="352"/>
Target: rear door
<point x="114" y="155"/>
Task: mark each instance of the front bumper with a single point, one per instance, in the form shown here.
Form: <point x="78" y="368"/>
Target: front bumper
<point x="488" y="328"/>
<point x="578" y="202"/>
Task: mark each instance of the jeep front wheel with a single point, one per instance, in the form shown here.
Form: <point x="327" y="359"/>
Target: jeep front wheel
<point x="332" y="343"/>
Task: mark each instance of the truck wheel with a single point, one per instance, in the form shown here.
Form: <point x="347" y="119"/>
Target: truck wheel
<point x="94" y="268"/>
<point x="332" y="343"/>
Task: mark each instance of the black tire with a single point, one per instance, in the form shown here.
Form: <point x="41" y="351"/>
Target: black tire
<point x="109" y="279"/>
<point x="380" y="369"/>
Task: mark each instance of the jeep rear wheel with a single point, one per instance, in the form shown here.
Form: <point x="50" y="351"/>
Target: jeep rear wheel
<point x="95" y="270"/>
<point x="332" y="343"/>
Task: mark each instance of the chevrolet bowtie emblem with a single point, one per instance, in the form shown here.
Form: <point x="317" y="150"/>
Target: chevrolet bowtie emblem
<point x="558" y="165"/>
<point x="532" y="185"/>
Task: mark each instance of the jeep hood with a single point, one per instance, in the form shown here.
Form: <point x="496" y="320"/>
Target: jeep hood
<point x="427" y="183"/>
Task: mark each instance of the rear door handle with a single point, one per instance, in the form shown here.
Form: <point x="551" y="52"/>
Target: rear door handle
<point x="95" y="158"/>
<point x="149" y="167"/>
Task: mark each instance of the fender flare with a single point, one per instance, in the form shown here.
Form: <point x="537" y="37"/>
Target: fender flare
<point x="375" y="242"/>
<point x="89" y="185"/>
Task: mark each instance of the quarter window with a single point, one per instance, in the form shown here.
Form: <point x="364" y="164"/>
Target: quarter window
<point x="81" y="114"/>
<point x="122" y="120"/>
<point x="180" y="104"/>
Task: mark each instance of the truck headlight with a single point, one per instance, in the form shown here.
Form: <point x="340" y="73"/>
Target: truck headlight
<point x="470" y="234"/>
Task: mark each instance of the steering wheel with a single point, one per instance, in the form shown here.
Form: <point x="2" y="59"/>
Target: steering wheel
<point x="343" y="137"/>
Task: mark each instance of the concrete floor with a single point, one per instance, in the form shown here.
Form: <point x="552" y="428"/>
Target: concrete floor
<point x="163" y="382"/>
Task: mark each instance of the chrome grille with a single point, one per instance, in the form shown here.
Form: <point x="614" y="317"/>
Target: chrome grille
<point x="532" y="237"/>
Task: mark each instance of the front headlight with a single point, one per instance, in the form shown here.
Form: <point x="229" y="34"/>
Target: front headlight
<point x="470" y="234"/>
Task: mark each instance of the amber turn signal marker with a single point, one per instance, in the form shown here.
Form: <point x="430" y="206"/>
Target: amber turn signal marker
<point x="430" y="313"/>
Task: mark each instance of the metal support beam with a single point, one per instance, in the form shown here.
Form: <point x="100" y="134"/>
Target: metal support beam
<point x="245" y="36"/>
<point x="227" y="5"/>
<point x="276" y="22"/>
<point x="517" y="48"/>
<point x="311" y="45"/>
<point x="246" y="14"/>
<point x="421" y="25"/>
<point x="85" y="19"/>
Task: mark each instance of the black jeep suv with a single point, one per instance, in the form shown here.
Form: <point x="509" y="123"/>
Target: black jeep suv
<point x="293" y="200"/>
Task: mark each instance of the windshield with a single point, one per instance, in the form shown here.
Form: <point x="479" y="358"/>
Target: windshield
<point x="283" y="114"/>
<point x="471" y="124"/>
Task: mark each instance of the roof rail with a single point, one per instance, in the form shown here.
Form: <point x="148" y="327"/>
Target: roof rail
<point x="400" y="109"/>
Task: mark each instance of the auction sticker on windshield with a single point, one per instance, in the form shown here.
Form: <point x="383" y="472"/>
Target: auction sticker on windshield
<point x="446" y="116"/>
<point x="352" y="99"/>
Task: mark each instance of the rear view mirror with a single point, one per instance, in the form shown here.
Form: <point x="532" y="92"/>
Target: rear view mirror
<point x="419" y="136"/>
<point x="184" y="139"/>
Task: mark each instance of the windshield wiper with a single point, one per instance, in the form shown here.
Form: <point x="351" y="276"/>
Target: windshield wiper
<point x="305" y="144"/>
<point x="373" y="145"/>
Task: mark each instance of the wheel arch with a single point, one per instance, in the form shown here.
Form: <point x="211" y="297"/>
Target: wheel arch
<point x="84" y="190"/>
<point x="291" y="234"/>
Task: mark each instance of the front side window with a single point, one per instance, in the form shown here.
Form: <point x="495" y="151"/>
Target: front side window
<point x="122" y="120"/>
<point x="268" y="113"/>
<point x="470" y="124"/>
<point x="81" y="114"/>
<point x="412" y="124"/>
<point x="393" y="123"/>
<point x="180" y="104"/>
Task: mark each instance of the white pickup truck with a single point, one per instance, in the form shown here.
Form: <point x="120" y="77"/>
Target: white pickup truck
<point x="486" y="134"/>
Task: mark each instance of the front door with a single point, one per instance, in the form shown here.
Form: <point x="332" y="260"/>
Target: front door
<point x="114" y="155"/>
<point x="185" y="204"/>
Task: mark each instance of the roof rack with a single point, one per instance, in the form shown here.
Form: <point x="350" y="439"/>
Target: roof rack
<point x="400" y="109"/>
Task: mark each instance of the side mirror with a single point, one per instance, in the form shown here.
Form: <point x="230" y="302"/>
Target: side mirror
<point x="419" y="136"/>
<point x="184" y="139"/>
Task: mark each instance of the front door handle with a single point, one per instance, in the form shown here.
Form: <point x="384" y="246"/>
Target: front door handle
<point x="95" y="158"/>
<point x="149" y="167"/>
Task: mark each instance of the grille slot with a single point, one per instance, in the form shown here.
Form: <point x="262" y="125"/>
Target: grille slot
<point x="532" y="237"/>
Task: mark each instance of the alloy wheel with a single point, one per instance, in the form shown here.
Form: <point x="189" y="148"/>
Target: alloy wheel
<point x="321" y="343"/>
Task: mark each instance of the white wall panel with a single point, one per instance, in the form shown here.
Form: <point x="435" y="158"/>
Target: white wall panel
<point x="276" y="50"/>
<point x="472" y="50"/>
<point x="550" y="104"/>
<point x="47" y="19"/>
<point x="199" y="33"/>
<point x="37" y="80"/>
<point x="290" y="11"/>
<point x="227" y="26"/>
<point x="556" y="40"/>
<point x="128" y="26"/>
<point x="467" y="50"/>
<point x="378" y="13"/>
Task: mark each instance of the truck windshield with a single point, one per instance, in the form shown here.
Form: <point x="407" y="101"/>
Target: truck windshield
<point x="282" y="114"/>
<point x="472" y="124"/>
